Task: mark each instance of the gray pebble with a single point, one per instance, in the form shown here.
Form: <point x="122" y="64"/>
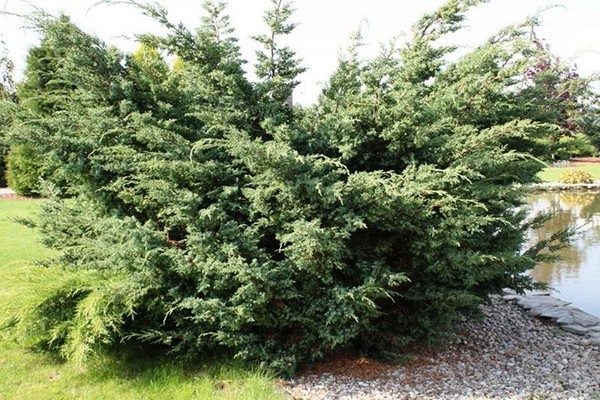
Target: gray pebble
<point x="509" y="355"/>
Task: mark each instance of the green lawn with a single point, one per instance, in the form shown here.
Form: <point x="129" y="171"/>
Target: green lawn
<point x="25" y="374"/>
<point x="552" y="174"/>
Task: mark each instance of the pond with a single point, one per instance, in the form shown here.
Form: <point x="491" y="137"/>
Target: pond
<point x="576" y="277"/>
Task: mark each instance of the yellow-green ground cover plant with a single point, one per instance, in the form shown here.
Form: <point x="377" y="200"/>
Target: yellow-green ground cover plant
<point x="576" y="176"/>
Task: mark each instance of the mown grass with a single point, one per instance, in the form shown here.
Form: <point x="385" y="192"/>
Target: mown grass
<point x="26" y="374"/>
<point x="552" y="174"/>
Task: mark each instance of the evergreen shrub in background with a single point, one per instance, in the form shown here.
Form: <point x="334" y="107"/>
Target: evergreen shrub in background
<point x="23" y="169"/>
<point x="209" y="215"/>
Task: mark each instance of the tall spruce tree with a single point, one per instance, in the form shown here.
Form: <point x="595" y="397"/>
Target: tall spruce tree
<point x="211" y="217"/>
<point x="277" y="66"/>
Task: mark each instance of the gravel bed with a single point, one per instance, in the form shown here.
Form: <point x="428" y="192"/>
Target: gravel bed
<point x="507" y="355"/>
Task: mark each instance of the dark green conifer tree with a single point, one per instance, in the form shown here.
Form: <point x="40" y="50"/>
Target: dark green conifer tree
<point x="210" y="216"/>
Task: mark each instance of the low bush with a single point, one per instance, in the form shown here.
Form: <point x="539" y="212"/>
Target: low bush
<point x="24" y="168"/>
<point x="575" y="176"/>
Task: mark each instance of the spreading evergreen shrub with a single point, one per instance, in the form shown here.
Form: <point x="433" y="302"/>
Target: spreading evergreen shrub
<point x="210" y="215"/>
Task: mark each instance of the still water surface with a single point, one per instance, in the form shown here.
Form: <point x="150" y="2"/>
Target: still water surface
<point x="576" y="278"/>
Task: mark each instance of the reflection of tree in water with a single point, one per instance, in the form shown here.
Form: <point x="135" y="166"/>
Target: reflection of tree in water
<point x="594" y="206"/>
<point x="577" y="200"/>
<point x="568" y="210"/>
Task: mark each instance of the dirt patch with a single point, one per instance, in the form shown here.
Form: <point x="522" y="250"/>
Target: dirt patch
<point x="13" y="196"/>
<point x="584" y="161"/>
<point x="349" y="364"/>
<point x="6" y="193"/>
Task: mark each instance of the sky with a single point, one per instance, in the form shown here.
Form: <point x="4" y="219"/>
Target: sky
<point x="571" y="28"/>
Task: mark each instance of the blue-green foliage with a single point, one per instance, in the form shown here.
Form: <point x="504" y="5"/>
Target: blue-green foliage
<point x="207" y="215"/>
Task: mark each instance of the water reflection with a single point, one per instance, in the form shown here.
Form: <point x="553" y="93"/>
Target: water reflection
<point x="576" y="277"/>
